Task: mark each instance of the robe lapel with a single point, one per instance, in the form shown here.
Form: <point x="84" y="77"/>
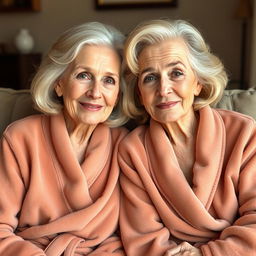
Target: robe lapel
<point x="191" y="204"/>
<point x="76" y="179"/>
<point x="97" y="153"/>
<point x="210" y="149"/>
<point x="71" y="177"/>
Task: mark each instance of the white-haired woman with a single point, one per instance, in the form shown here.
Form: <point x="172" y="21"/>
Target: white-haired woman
<point x="58" y="170"/>
<point x="188" y="174"/>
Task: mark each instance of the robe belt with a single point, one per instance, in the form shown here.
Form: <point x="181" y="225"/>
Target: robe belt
<point x="67" y="245"/>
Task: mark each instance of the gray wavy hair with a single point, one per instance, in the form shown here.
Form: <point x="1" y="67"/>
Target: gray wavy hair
<point x="62" y="53"/>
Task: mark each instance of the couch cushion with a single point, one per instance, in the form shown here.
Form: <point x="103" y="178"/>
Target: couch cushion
<point x="243" y="101"/>
<point x="14" y="104"/>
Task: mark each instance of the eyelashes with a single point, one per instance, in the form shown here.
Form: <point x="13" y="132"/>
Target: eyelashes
<point x="149" y="78"/>
<point x="173" y="75"/>
<point x="84" y="76"/>
<point x="110" y="80"/>
<point x="89" y="77"/>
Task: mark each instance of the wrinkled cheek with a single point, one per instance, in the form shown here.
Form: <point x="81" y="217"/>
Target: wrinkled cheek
<point x="107" y="113"/>
<point x="112" y="100"/>
<point x="148" y="104"/>
<point x="74" y="95"/>
<point x="144" y="100"/>
<point x="71" y="109"/>
<point x="188" y="102"/>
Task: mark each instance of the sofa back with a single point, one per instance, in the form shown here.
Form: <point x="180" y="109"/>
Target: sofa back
<point x="243" y="101"/>
<point x="16" y="104"/>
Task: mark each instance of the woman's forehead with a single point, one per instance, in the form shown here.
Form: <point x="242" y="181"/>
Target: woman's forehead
<point x="168" y="51"/>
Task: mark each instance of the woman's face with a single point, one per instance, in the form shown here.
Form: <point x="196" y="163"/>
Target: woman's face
<point x="167" y="84"/>
<point x="90" y="85"/>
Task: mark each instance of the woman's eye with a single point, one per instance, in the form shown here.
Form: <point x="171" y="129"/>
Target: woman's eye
<point x="84" y="75"/>
<point x="177" y="73"/>
<point x="110" y="80"/>
<point x="149" y="78"/>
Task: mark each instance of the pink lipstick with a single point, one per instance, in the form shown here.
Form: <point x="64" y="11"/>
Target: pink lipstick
<point x="90" y="106"/>
<point x="166" y="105"/>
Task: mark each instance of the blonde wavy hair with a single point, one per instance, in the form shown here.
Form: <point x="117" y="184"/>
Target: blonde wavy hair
<point x="207" y="67"/>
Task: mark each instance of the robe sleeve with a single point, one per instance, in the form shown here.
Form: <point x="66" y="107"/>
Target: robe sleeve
<point x="137" y="209"/>
<point x="12" y="191"/>
<point x="240" y="237"/>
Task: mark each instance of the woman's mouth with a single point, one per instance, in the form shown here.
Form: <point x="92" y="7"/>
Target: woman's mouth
<point x="166" y="105"/>
<point x="90" y="106"/>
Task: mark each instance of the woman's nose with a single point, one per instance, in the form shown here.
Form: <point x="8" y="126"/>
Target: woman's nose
<point x="94" y="91"/>
<point x="165" y="87"/>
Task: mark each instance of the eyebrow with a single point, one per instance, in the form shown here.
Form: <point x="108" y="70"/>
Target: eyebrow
<point x="172" y="64"/>
<point x="90" y="70"/>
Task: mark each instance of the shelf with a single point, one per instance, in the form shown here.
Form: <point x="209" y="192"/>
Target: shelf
<point x="10" y="6"/>
<point x="17" y="70"/>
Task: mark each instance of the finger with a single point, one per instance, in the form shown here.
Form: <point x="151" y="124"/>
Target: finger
<point x="173" y="251"/>
<point x="186" y="246"/>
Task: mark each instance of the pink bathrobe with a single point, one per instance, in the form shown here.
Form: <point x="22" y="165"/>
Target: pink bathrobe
<point x="49" y="203"/>
<point x="159" y="209"/>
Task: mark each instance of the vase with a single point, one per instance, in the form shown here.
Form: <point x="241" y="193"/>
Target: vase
<point x="24" y="41"/>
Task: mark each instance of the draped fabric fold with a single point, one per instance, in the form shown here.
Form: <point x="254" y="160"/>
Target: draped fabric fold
<point x="55" y="206"/>
<point x="160" y="209"/>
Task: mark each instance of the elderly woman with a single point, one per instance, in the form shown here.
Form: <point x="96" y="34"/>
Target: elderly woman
<point x="58" y="170"/>
<point x="188" y="174"/>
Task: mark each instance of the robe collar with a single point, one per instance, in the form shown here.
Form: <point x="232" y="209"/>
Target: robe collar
<point x="98" y="145"/>
<point x="169" y="178"/>
<point x="76" y="177"/>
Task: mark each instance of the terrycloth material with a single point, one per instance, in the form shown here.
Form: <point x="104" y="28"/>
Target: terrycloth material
<point x="159" y="209"/>
<point x="49" y="203"/>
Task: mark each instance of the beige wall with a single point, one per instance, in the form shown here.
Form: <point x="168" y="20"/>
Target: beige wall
<point x="214" y="18"/>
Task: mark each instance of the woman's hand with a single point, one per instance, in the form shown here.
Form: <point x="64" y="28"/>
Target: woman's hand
<point x="184" y="249"/>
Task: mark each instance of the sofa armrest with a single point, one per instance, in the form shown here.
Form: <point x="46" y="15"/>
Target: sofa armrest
<point x="14" y="104"/>
<point x="243" y="101"/>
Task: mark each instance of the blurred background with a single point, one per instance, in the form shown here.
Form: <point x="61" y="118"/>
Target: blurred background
<point x="227" y="26"/>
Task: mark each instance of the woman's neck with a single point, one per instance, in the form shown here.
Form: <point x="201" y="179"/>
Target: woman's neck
<point x="184" y="130"/>
<point x="182" y="135"/>
<point x="79" y="135"/>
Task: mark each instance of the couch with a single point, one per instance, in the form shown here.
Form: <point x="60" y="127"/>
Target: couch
<point x="16" y="104"/>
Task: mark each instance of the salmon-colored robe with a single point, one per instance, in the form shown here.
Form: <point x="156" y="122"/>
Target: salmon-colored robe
<point x="159" y="209"/>
<point x="49" y="203"/>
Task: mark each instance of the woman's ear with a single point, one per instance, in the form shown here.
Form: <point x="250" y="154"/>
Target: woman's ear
<point x="198" y="89"/>
<point x="58" y="88"/>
